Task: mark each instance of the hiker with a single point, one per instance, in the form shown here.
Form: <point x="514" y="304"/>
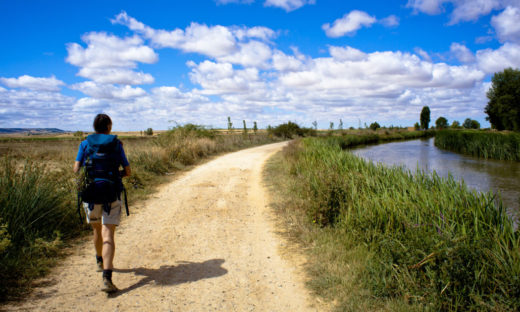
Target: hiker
<point x="103" y="154"/>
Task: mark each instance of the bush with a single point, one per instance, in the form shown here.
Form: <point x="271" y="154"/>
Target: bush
<point x="374" y="126"/>
<point x="149" y="131"/>
<point x="290" y="130"/>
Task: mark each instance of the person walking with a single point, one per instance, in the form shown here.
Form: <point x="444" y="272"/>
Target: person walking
<point x="102" y="154"/>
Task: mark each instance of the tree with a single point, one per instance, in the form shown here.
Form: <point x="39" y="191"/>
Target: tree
<point x="455" y="125"/>
<point x="229" y="124"/>
<point x="425" y="117"/>
<point x="441" y="123"/>
<point x="331" y="126"/>
<point x="245" y="128"/>
<point x="340" y="126"/>
<point x="503" y="108"/>
<point x="417" y="126"/>
<point x="374" y="126"/>
<point x="471" y="124"/>
<point x="149" y="131"/>
<point x="315" y="125"/>
<point x="255" y="127"/>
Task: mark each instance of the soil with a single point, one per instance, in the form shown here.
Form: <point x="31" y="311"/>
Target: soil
<point x="207" y="241"/>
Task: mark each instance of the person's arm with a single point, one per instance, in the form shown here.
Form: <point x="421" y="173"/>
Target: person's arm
<point x="77" y="165"/>
<point x="128" y="171"/>
<point x="79" y="158"/>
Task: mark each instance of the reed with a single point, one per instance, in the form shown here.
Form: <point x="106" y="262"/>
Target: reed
<point x="484" y="144"/>
<point x="427" y="242"/>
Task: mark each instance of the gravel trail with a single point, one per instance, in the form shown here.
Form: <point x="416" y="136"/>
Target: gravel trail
<point x="204" y="242"/>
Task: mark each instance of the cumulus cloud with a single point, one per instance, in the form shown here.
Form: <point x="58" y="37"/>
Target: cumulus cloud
<point x="222" y="78"/>
<point x="462" y="53"/>
<point x="106" y="91"/>
<point x="243" y="45"/>
<point x="348" y="24"/>
<point x="463" y="10"/>
<point x="110" y="59"/>
<point x="288" y="5"/>
<point x="34" y="108"/>
<point x="33" y="83"/>
<point x="390" y="21"/>
<point x="492" y="61"/>
<point x="507" y="24"/>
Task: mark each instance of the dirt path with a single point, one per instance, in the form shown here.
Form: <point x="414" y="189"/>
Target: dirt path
<point x="205" y="242"/>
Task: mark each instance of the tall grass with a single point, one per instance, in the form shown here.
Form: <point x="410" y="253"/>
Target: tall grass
<point x="37" y="191"/>
<point x="407" y="241"/>
<point x="485" y="144"/>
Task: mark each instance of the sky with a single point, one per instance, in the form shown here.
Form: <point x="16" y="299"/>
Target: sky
<point x="158" y="64"/>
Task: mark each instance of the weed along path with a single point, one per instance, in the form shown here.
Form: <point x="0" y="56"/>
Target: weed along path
<point x="204" y="242"/>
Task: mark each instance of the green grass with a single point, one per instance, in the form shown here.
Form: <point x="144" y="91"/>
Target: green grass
<point x="385" y="239"/>
<point x="484" y="144"/>
<point x="38" y="214"/>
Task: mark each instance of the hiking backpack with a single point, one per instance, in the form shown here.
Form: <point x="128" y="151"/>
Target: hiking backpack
<point x="103" y="183"/>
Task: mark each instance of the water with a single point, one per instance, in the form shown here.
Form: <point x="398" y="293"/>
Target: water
<point x="482" y="175"/>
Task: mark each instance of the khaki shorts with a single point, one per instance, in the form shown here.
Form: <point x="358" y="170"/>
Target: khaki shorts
<point x="98" y="215"/>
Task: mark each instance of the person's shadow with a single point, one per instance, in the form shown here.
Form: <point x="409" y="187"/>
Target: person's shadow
<point x="174" y="274"/>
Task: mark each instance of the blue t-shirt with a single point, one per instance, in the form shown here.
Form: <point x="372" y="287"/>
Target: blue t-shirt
<point x="83" y="147"/>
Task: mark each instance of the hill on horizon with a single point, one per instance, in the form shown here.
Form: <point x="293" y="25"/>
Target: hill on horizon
<point x="31" y="130"/>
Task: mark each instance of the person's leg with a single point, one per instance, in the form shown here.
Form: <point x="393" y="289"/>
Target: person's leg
<point x="108" y="228"/>
<point x="98" y="239"/>
<point x="109" y="246"/>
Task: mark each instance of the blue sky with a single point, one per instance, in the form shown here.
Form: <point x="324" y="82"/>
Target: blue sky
<point x="159" y="63"/>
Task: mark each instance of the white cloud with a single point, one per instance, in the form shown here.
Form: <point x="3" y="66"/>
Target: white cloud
<point x="110" y="59"/>
<point x="462" y="53"/>
<point x="348" y="24"/>
<point x="106" y="91"/>
<point x="284" y="63"/>
<point x="33" y="83"/>
<point x="250" y="54"/>
<point x="390" y="21"/>
<point x="347" y="54"/>
<point x="34" y="108"/>
<point x="463" y="10"/>
<point x="507" y="24"/>
<point x="222" y="78"/>
<point x="492" y="61"/>
<point x="423" y="54"/>
<point x="288" y="5"/>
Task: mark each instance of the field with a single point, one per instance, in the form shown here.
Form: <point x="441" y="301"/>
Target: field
<point x="382" y="238"/>
<point x="38" y="214"/>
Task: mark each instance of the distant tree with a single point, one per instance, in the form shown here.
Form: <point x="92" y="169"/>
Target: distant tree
<point x="245" y="128"/>
<point x="289" y="130"/>
<point x="340" y="126"/>
<point x="315" y="125"/>
<point x="471" y="124"/>
<point x="149" y="131"/>
<point x="441" y="123"/>
<point x="425" y="117"/>
<point x="229" y="124"/>
<point x="455" y="125"/>
<point x="374" y="126"/>
<point x="78" y="134"/>
<point x="255" y="127"/>
<point x="503" y="108"/>
<point x="331" y="127"/>
<point x="417" y="126"/>
<point x="351" y="128"/>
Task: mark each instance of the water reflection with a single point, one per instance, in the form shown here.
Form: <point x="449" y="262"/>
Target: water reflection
<point x="479" y="174"/>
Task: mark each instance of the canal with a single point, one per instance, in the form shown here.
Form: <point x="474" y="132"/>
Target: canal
<point x="502" y="177"/>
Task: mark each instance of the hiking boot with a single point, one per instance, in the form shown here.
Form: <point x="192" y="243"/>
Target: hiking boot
<point x="99" y="265"/>
<point x="108" y="286"/>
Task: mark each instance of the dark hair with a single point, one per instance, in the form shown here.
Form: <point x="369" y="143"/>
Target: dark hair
<point x="101" y="123"/>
